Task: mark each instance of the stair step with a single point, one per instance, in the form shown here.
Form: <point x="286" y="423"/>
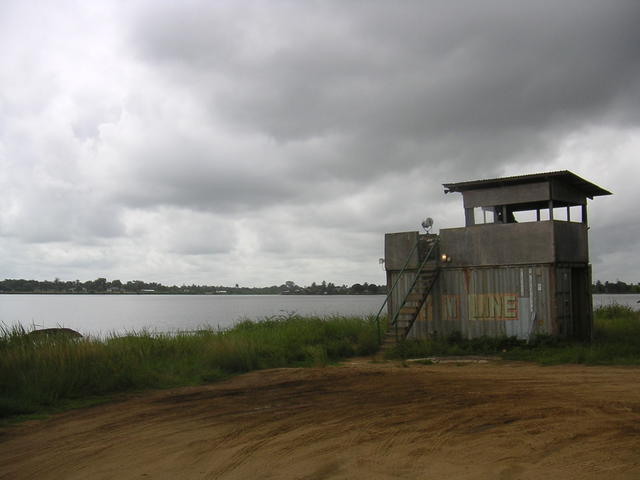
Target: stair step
<point x="392" y="331"/>
<point x="415" y="297"/>
<point x="408" y="310"/>
<point x="401" y="328"/>
<point x="422" y="291"/>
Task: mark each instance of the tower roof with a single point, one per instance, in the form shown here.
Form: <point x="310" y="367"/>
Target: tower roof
<point x="565" y="176"/>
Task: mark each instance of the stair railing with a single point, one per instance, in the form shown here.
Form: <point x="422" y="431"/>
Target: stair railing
<point x="394" y="321"/>
<point x="393" y="287"/>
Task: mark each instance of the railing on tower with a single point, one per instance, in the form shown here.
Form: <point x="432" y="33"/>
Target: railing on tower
<point x="394" y="320"/>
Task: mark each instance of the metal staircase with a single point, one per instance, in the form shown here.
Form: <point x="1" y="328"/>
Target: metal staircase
<point x="417" y="294"/>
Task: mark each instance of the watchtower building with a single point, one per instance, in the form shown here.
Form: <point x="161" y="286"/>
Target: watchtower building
<point x="519" y="267"/>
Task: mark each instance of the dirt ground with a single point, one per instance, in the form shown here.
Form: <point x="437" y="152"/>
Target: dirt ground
<point x="358" y="420"/>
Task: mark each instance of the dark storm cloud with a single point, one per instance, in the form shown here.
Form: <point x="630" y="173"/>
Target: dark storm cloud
<point x="460" y="81"/>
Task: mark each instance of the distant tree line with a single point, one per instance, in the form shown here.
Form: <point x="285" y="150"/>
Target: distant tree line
<point x="615" y="287"/>
<point x="103" y="286"/>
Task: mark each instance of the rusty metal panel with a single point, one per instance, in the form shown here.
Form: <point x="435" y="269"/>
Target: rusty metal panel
<point x="499" y="301"/>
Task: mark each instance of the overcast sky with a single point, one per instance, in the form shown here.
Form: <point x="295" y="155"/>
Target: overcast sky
<point x="255" y="142"/>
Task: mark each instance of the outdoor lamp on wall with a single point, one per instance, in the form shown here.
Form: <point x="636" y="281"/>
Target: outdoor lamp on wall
<point x="445" y="258"/>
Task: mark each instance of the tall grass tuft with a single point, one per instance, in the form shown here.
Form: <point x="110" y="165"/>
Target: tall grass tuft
<point x="41" y="372"/>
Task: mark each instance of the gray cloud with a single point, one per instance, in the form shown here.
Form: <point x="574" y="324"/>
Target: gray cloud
<point x="424" y="73"/>
<point x="203" y="142"/>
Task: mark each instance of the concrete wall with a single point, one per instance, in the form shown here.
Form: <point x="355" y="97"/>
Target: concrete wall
<point x="397" y="247"/>
<point x="507" y="195"/>
<point x="562" y="192"/>
<point x="499" y="244"/>
<point x="571" y="242"/>
<point x="536" y="192"/>
<point x="515" y="243"/>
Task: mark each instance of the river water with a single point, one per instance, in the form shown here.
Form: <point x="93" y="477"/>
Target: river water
<point x="103" y="314"/>
<point x="630" y="299"/>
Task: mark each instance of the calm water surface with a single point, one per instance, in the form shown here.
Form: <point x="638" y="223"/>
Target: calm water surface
<point x="630" y="299"/>
<point x="103" y="314"/>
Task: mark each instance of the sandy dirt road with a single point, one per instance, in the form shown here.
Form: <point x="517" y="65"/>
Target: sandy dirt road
<point x="358" y="420"/>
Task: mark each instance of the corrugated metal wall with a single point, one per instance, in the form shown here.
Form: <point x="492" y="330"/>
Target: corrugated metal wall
<point x="489" y="301"/>
<point x="404" y="283"/>
<point x="563" y="300"/>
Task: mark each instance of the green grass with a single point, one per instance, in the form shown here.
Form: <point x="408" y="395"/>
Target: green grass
<point x="616" y="341"/>
<point x="49" y="373"/>
<point x="39" y="374"/>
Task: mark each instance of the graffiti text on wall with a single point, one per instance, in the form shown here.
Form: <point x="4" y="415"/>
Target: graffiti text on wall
<point x="493" y="306"/>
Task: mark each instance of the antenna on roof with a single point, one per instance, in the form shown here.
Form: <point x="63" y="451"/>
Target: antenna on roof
<point x="427" y="223"/>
